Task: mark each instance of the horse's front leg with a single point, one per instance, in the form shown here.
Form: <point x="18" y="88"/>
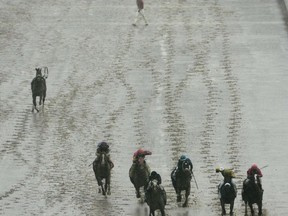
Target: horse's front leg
<point x="40" y="100"/>
<point x="100" y="184"/>
<point x="251" y="208"/>
<point x="138" y="195"/>
<point x="103" y="187"/>
<point x="178" y="192"/>
<point x="187" y="193"/>
<point x="223" y="207"/>
<point x="108" y="186"/>
<point x="259" y="208"/>
<point x="231" y="207"/>
<point x="246" y="211"/>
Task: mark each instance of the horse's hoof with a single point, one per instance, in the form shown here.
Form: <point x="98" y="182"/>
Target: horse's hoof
<point x="109" y="193"/>
<point x="138" y="195"/>
<point x="99" y="191"/>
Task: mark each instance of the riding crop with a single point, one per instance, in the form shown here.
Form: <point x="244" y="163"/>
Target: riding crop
<point x="195" y="180"/>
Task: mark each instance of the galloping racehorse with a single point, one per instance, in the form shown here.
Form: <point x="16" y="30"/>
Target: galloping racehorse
<point x="251" y="194"/>
<point x="140" y="176"/>
<point x="102" y="170"/>
<point x="155" y="198"/>
<point x="181" y="180"/>
<point x="228" y="195"/>
<point x="38" y="87"/>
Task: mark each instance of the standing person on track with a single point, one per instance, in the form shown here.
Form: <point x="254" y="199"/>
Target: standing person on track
<point x="140" y="12"/>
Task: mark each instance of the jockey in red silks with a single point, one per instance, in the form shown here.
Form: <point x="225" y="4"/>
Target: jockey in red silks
<point x="254" y="170"/>
<point x="139" y="158"/>
<point x="140" y="153"/>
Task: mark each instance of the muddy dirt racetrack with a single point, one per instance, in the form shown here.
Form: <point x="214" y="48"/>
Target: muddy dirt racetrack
<point x="204" y="78"/>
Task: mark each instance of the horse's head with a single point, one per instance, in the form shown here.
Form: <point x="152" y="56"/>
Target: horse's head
<point x="38" y="72"/>
<point x="252" y="178"/>
<point x="153" y="185"/>
<point x="186" y="169"/>
<point x="103" y="159"/>
<point x="227" y="186"/>
<point x="185" y="165"/>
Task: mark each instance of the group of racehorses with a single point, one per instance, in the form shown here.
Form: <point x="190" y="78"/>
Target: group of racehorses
<point x="155" y="198"/>
<point x="155" y="195"/>
<point x="252" y="193"/>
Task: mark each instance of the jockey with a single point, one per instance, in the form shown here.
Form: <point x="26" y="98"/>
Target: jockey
<point x="228" y="174"/>
<point x="140" y="153"/>
<point x="155" y="176"/>
<point x="139" y="156"/>
<point x="181" y="161"/>
<point x="103" y="147"/>
<point x="254" y="170"/>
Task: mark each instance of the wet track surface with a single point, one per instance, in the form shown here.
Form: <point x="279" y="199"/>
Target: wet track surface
<point x="204" y="78"/>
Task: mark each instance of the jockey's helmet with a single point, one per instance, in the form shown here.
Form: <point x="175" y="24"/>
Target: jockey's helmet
<point x="103" y="145"/>
<point x="153" y="173"/>
<point x="254" y="167"/>
<point x="183" y="158"/>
